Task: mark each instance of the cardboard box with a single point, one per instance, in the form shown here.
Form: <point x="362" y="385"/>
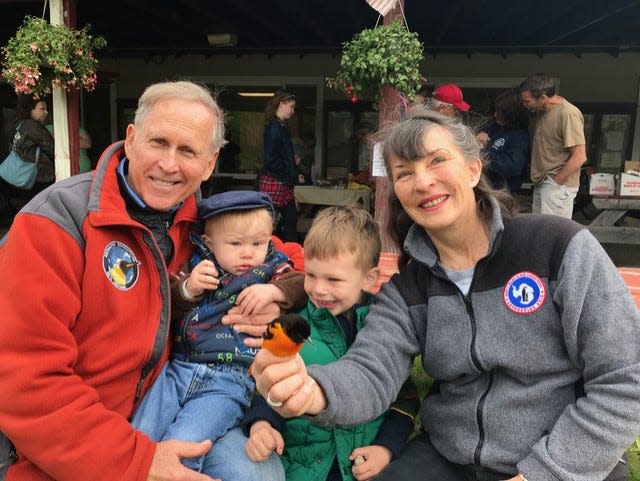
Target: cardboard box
<point x="632" y="165"/>
<point x="602" y="184"/>
<point x="629" y="184"/>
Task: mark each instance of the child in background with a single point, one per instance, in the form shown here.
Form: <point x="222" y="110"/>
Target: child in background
<point x="341" y="252"/>
<point x="204" y="389"/>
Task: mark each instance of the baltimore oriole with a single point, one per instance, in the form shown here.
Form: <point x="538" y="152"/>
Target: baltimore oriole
<point x="286" y="334"/>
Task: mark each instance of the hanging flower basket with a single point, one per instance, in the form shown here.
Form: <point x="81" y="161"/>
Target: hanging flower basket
<point x="41" y="54"/>
<point x="388" y="54"/>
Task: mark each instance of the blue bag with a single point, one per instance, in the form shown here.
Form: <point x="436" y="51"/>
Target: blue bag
<point x="16" y="171"/>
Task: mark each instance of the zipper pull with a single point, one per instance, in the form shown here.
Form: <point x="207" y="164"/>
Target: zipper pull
<point x="138" y="391"/>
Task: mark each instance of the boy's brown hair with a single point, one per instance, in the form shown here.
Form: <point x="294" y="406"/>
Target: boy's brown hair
<point x="338" y="229"/>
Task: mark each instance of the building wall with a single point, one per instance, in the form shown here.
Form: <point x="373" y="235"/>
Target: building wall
<point x="590" y="78"/>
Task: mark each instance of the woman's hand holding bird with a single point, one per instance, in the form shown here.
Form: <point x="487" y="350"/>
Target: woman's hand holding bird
<point x="280" y="374"/>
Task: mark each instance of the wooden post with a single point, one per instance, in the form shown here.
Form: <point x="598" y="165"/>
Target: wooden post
<point x="66" y="105"/>
<point x="73" y="99"/>
<point x="390" y="108"/>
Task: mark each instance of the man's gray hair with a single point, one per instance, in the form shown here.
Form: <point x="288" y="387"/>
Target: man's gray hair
<point x="187" y="91"/>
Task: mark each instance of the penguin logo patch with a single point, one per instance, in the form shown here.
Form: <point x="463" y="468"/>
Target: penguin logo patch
<point x="524" y="293"/>
<point x="120" y="265"/>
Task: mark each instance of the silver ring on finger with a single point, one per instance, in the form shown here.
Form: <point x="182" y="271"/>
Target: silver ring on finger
<point x="273" y="404"/>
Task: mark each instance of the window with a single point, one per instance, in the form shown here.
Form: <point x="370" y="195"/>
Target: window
<point x="346" y="150"/>
<point x="243" y="154"/>
<point x="608" y="129"/>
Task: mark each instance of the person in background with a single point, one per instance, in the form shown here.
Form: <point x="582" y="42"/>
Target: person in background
<point x="205" y="388"/>
<point x="505" y="142"/>
<point x="342" y="250"/>
<point x="279" y="173"/>
<point x="447" y="100"/>
<point x="424" y="92"/>
<point x="298" y="156"/>
<point x="84" y="162"/>
<point x="90" y="332"/>
<point x="364" y="137"/>
<point x="34" y="145"/>
<point x="523" y="322"/>
<point x="557" y="146"/>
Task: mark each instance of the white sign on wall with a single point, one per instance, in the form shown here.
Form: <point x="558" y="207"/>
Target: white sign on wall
<point x="378" y="169"/>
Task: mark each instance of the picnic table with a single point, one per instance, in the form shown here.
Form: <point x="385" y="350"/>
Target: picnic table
<point x="614" y="208"/>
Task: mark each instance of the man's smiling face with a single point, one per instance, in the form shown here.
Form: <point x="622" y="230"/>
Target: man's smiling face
<point x="170" y="152"/>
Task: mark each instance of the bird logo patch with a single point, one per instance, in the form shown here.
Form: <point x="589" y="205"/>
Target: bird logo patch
<point x="524" y="293"/>
<point x="120" y="265"/>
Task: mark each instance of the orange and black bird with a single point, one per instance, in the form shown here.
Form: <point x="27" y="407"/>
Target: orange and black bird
<point x="286" y="334"/>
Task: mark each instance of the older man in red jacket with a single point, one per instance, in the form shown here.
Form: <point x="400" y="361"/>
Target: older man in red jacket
<point x="86" y="305"/>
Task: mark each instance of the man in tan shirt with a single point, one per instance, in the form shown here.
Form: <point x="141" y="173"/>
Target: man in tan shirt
<point x="557" y="146"/>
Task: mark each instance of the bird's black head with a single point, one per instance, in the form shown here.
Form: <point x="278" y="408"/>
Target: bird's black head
<point x="295" y="326"/>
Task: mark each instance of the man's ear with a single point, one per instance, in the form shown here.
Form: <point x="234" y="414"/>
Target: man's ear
<point x="211" y="165"/>
<point x="129" y="137"/>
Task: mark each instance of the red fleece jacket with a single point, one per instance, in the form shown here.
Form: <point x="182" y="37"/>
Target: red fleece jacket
<point x="85" y="323"/>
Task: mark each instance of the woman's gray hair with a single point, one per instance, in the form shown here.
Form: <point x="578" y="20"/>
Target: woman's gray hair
<point x="186" y="91"/>
<point x="405" y="138"/>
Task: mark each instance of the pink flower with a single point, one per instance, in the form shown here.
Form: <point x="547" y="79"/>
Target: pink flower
<point x="354" y="99"/>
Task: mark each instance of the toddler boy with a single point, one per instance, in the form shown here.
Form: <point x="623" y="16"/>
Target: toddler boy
<point x="204" y="389"/>
<point x="341" y="252"/>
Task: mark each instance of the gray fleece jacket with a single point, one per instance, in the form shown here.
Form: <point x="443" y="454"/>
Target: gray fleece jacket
<point x="537" y="369"/>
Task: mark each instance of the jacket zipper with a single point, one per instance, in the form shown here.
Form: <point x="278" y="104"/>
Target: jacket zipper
<point x="474" y="355"/>
<point x="148" y="238"/>
<point x="476" y="362"/>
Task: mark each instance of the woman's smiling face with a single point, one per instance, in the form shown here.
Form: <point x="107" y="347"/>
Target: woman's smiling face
<point x="436" y="189"/>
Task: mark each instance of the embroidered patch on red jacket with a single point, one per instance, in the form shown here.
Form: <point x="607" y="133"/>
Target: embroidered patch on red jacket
<point x="120" y="265"/>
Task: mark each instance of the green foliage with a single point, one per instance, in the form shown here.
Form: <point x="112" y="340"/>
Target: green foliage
<point x="387" y="54"/>
<point x="41" y="54"/>
<point x="633" y="458"/>
<point x="421" y="381"/>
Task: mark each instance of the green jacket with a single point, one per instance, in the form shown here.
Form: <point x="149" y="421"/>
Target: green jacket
<point x="309" y="449"/>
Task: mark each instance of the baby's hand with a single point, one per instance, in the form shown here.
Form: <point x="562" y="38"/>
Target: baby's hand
<point x="256" y="297"/>
<point x="263" y="440"/>
<point x="369" y="461"/>
<point x="203" y="276"/>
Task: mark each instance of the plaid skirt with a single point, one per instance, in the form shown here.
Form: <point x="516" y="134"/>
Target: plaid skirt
<point x="281" y="193"/>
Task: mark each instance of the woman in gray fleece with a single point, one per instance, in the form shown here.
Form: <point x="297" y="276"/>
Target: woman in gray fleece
<point x="529" y="332"/>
